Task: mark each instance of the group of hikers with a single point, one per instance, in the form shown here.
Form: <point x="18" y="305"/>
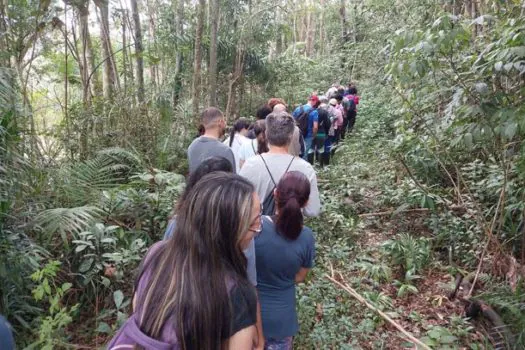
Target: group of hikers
<point x="236" y="245"/>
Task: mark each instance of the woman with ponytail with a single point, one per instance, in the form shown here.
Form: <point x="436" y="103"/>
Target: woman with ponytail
<point x="285" y="251"/>
<point x="237" y="138"/>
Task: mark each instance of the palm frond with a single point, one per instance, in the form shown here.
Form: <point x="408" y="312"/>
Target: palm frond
<point x="66" y="221"/>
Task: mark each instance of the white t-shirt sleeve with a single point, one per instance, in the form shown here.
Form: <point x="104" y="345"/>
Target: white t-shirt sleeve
<point x="313" y="208"/>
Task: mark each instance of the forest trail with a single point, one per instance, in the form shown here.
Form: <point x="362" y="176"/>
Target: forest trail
<point x="367" y="239"/>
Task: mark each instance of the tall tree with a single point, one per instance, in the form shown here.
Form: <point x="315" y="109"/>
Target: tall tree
<point x="110" y="80"/>
<point x="179" y="28"/>
<point x="89" y="75"/>
<point x="139" y="51"/>
<point x="342" y="14"/>
<point x="310" y="29"/>
<point x="215" y="8"/>
<point x="152" y="47"/>
<point x="198" y="58"/>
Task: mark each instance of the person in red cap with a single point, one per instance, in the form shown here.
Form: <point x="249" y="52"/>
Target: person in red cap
<point x="309" y="111"/>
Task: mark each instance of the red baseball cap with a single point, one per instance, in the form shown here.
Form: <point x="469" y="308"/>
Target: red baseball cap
<point x="314" y="99"/>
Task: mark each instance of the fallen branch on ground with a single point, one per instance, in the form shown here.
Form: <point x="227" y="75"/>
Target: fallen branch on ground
<point x="362" y="300"/>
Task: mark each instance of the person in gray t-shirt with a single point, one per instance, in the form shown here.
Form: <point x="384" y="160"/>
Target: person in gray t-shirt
<point x="208" y="145"/>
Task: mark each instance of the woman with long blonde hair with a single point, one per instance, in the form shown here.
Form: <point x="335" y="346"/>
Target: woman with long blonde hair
<point x="192" y="291"/>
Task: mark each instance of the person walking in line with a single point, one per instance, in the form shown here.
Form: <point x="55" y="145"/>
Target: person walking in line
<point x="237" y="138"/>
<point x="297" y="145"/>
<point x="258" y="145"/>
<point x="307" y="119"/>
<point x="339" y="110"/>
<point x="283" y="235"/>
<point x="192" y="291"/>
<point x="321" y="145"/>
<point x="265" y="170"/>
<point x="208" y="145"/>
<point x="353" y="101"/>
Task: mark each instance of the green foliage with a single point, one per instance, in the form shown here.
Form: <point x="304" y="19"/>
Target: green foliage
<point x="52" y="326"/>
<point x="411" y="254"/>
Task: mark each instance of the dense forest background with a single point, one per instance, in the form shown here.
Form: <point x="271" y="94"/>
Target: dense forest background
<point x="424" y="206"/>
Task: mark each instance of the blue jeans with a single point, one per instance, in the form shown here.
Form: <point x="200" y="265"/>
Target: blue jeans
<point x="308" y="141"/>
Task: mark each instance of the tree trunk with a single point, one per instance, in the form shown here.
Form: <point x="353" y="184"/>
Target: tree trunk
<point x="198" y="58"/>
<point x="138" y="52"/>
<point x="213" y="52"/>
<point x="310" y="31"/>
<point x="109" y="81"/>
<point x="152" y="45"/>
<point x="124" y="50"/>
<point x="90" y="77"/>
<point x="179" y="28"/>
<point x="4" y="47"/>
<point x="342" y="13"/>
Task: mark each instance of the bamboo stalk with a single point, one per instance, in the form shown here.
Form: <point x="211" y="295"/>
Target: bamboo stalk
<point x="362" y="300"/>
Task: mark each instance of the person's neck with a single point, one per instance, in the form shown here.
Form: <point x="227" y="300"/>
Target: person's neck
<point x="278" y="149"/>
<point x="212" y="134"/>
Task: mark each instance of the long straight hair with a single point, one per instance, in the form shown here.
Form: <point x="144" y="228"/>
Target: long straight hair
<point x="240" y="124"/>
<point x="259" y="128"/>
<point x="293" y="191"/>
<point x="189" y="275"/>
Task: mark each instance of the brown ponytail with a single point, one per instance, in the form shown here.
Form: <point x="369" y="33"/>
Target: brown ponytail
<point x="292" y="195"/>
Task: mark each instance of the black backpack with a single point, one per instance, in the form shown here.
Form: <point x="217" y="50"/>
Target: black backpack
<point x="324" y="120"/>
<point x="302" y="121"/>
<point x="269" y="201"/>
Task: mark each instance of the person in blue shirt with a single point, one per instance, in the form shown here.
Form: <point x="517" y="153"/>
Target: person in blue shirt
<point x="285" y="252"/>
<point x="313" y="122"/>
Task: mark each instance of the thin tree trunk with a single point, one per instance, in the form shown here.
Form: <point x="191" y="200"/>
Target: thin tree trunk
<point x="310" y="30"/>
<point x="109" y="78"/>
<point x="66" y="81"/>
<point x="342" y="13"/>
<point x="90" y="78"/>
<point x="138" y="52"/>
<point x="124" y="50"/>
<point x="4" y="46"/>
<point x="152" y="45"/>
<point x="179" y="28"/>
<point x="213" y="51"/>
<point x="198" y="58"/>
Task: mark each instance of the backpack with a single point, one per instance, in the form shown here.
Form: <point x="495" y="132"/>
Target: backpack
<point x="269" y="201"/>
<point x="352" y="105"/>
<point x="302" y="121"/>
<point x="324" y="120"/>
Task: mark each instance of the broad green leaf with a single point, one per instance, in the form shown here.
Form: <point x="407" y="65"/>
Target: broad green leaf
<point x="118" y="298"/>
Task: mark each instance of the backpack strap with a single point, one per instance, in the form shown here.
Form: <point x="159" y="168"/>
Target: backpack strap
<point x="269" y="173"/>
<point x="267" y="169"/>
<point x="254" y="151"/>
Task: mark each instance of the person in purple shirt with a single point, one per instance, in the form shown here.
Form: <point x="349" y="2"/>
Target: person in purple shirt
<point x="192" y="291"/>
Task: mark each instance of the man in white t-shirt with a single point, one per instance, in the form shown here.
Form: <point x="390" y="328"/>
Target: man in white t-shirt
<point x="279" y="131"/>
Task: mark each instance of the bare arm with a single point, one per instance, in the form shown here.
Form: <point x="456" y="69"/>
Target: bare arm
<point x="315" y="128"/>
<point x="301" y="275"/>
<point x="260" y="335"/>
<point x="243" y="339"/>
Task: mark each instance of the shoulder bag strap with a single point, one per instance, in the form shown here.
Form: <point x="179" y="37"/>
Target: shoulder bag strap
<point x="253" y="148"/>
